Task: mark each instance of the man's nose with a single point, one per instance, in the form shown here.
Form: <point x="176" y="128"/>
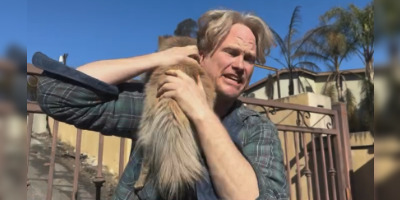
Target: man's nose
<point x="238" y="64"/>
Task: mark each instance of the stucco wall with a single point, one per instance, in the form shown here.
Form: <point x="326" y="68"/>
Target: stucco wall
<point x="362" y="153"/>
<point x="89" y="144"/>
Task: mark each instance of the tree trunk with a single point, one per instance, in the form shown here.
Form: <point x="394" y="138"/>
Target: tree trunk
<point x="339" y="88"/>
<point x="291" y="86"/>
<point x="369" y="69"/>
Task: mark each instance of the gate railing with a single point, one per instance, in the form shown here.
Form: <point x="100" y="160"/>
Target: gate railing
<point x="315" y="144"/>
<point x="99" y="180"/>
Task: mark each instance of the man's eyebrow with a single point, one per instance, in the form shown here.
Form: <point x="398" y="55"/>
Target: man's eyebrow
<point x="251" y="55"/>
<point x="246" y="53"/>
<point x="232" y="49"/>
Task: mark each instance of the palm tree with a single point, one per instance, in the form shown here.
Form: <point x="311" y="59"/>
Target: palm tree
<point x="358" y="24"/>
<point x="290" y="47"/>
<point x="331" y="47"/>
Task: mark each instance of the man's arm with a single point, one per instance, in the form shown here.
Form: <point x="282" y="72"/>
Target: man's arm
<point x="231" y="173"/>
<point x="116" y="71"/>
<point x="260" y="173"/>
<point x="74" y="103"/>
<point x="262" y="148"/>
<point x="71" y="101"/>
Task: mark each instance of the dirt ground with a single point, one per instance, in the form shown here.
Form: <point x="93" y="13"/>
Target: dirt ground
<point x="64" y="170"/>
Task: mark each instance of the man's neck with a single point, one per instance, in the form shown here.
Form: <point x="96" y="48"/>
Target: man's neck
<point x="223" y="106"/>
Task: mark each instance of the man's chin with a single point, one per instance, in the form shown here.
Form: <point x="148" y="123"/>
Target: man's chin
<point x="229" y="94"/>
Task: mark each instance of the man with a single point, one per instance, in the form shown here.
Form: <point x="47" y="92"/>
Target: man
<point x="242" y="151"/>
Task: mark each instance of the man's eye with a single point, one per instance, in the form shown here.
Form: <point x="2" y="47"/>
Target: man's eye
<point x="232" y="52"/>
<point x="250" y="59"/>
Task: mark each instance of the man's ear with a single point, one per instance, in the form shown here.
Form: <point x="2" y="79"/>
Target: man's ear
<point x="201" y="58"/>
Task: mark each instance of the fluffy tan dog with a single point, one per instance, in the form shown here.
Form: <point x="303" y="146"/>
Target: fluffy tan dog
<point x="167" y="138"/>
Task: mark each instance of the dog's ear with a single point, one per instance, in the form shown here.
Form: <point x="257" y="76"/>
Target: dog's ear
<point x="161" y="41"/>
<point x="196" y="57"/>
<point x="166" y="42"/>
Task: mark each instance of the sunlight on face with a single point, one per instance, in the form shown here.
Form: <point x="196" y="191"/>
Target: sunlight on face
<point x="232" y="63"/>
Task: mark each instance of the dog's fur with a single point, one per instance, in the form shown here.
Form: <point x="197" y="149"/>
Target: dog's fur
<point x="166" y="137"/>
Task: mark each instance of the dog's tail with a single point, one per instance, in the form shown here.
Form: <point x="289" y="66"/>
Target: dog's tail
<point x="170" y="148"/>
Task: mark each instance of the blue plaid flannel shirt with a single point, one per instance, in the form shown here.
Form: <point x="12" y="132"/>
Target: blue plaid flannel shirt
<point x="79" y="104"/>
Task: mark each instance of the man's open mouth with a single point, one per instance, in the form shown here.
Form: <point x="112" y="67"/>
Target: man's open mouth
<point x="234" y="78"/>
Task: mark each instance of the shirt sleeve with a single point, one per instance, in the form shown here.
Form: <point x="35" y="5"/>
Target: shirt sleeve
<point x="262" y="148"/>
<point x="79" y="105"/>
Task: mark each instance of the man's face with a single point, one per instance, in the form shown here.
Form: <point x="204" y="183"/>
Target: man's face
<point x="231" y="65"/>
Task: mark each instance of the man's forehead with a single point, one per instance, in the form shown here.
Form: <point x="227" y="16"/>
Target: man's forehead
<point x="240" y="36"/>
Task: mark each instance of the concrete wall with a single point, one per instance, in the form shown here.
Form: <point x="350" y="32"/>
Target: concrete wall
<point x="260" y="93"/>
<point x="362" y="152"/>
<point x="386" y="169"/>
<point x="90" y="140"/>
<point x="353" y="82"/>
<point x="284" y="85"/>
<point x="315" y="84"/>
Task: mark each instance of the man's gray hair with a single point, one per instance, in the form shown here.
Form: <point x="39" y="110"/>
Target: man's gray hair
<point x="215" y="25"/>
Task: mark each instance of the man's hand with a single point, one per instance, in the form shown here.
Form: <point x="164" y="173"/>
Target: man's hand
<point x="189" y="95"/>
<point x="176" y="55"/>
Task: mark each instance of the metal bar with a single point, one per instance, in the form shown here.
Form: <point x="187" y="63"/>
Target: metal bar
<point x="77" y="164"/>
<point x="100" y="156"/>
<point x="325" y="176"/>
<point x="332" y="170"/>
<point x="121" y="156"/>
<point x="52" y="161"/>
<point x="340" y="163"/>
<point x="316" y="175"/>
<point x="288" y="177"/>
<point x="3" y="137"/>
<point x="33" y="107"/>
<point x="266" y="67"/>
<point x="28" y="140"/>
<point x="306" y="129"/>
<point x="298" y="175"/>
<point x="99" y="179"/>
<point x="290" y="106"/>
<point x="345" y="144"/>
<point x="307" y="170"/>
<point x="32" y="70"/>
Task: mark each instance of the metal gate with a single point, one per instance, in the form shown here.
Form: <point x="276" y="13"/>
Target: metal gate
<point x="316" y="156"/>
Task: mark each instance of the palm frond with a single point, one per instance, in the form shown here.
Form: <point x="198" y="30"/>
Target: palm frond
<point x="313" y="55"/>
<point x="281" y="44"/>
<point x="330" y="91"/>
<point x="351" y="105"/>
<point x="308" y="37"/>
<point x="279" y="61"/>
<point x="308" y="65"/>
<point x="294" y="22"/>
<point x="351" y="102"/>
<point x="367" y="105"/>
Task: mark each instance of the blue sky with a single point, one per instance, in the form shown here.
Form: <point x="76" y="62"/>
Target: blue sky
<point x="90" y="30"/>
